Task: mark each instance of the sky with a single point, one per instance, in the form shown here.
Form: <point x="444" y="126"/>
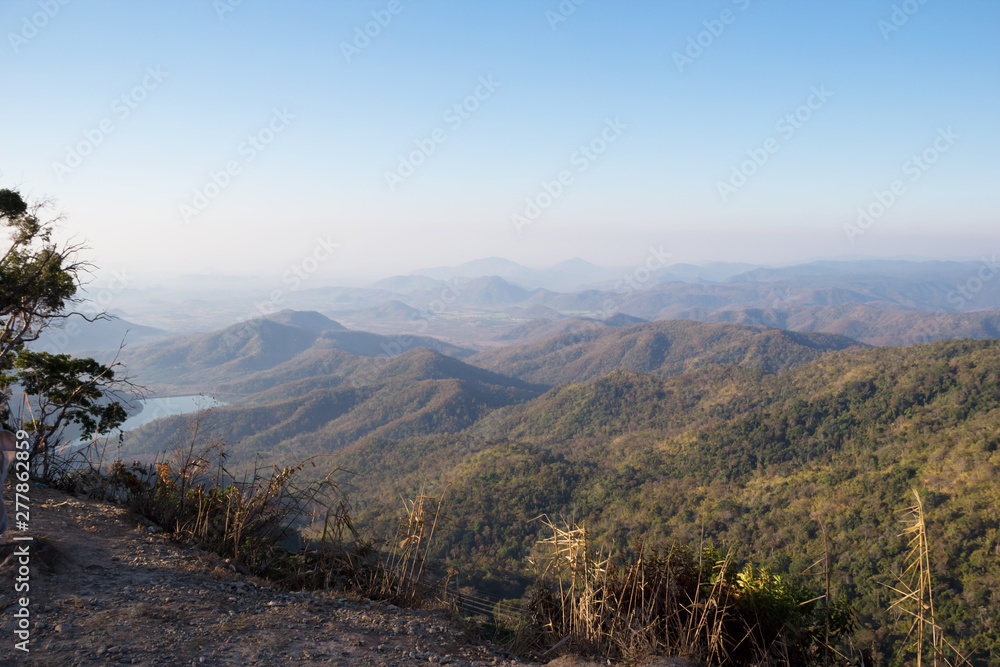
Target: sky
<point x="362" y="138"/>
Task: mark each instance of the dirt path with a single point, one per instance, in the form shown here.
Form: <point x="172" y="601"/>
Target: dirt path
<point x="104" y="589"/>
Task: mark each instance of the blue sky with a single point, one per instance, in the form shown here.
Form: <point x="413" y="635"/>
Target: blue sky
<point x="200" y="77"/>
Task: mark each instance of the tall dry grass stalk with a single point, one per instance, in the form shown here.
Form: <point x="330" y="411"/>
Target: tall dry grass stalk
<point x="915" y="589"/>
<point x="821" y="569"/>
<point x="403" y="576"/>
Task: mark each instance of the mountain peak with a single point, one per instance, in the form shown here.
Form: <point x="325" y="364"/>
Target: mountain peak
<point x="309" y="320"/>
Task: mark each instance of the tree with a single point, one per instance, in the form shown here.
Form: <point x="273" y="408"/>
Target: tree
<point x="39" y="280"/>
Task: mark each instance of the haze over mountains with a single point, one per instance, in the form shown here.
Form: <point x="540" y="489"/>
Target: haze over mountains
<point x="494" y="302"/>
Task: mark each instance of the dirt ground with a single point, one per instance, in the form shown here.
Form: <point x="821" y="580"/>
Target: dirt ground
<point x="106" y="588"/>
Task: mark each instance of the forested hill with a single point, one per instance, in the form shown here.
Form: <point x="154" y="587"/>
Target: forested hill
<point x="416" y="393"/>
<point x="304" y="385"/>
<point x="664" y="348"/>
<point x="763" y="462"/>
<point x="219" y="361"/>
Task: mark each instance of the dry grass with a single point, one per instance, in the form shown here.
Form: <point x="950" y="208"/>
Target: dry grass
<point x="668" y="602"/>
<point x="656" y="603"/>
<point x="267" y="523"/>
<point x="255" y="522"/>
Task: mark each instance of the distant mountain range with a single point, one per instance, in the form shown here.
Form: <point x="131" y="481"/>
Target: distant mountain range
<point x="483" y="303"/>
<point x="76" y="335"/>
<point x="570" y="275"/>
<point x="877" y="302"/>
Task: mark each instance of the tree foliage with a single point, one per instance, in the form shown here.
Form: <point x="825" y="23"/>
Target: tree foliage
<point x="38" y="278"/>
<point x="62" y="391"/>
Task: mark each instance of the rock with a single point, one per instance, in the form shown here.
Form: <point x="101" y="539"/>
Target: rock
<point x="571" y="661"/>
<point x="658" y="661"/>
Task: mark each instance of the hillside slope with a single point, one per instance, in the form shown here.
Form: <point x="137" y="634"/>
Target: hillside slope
<point x="664" y="348"/>
<point x="217" y="362"/>
<point x="416" y="393"/>
<point x="763" y="462"/>
<point x="868" y="324"/>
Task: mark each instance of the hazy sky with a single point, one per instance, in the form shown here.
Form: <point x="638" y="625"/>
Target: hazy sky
<point x="244" y="137"/>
